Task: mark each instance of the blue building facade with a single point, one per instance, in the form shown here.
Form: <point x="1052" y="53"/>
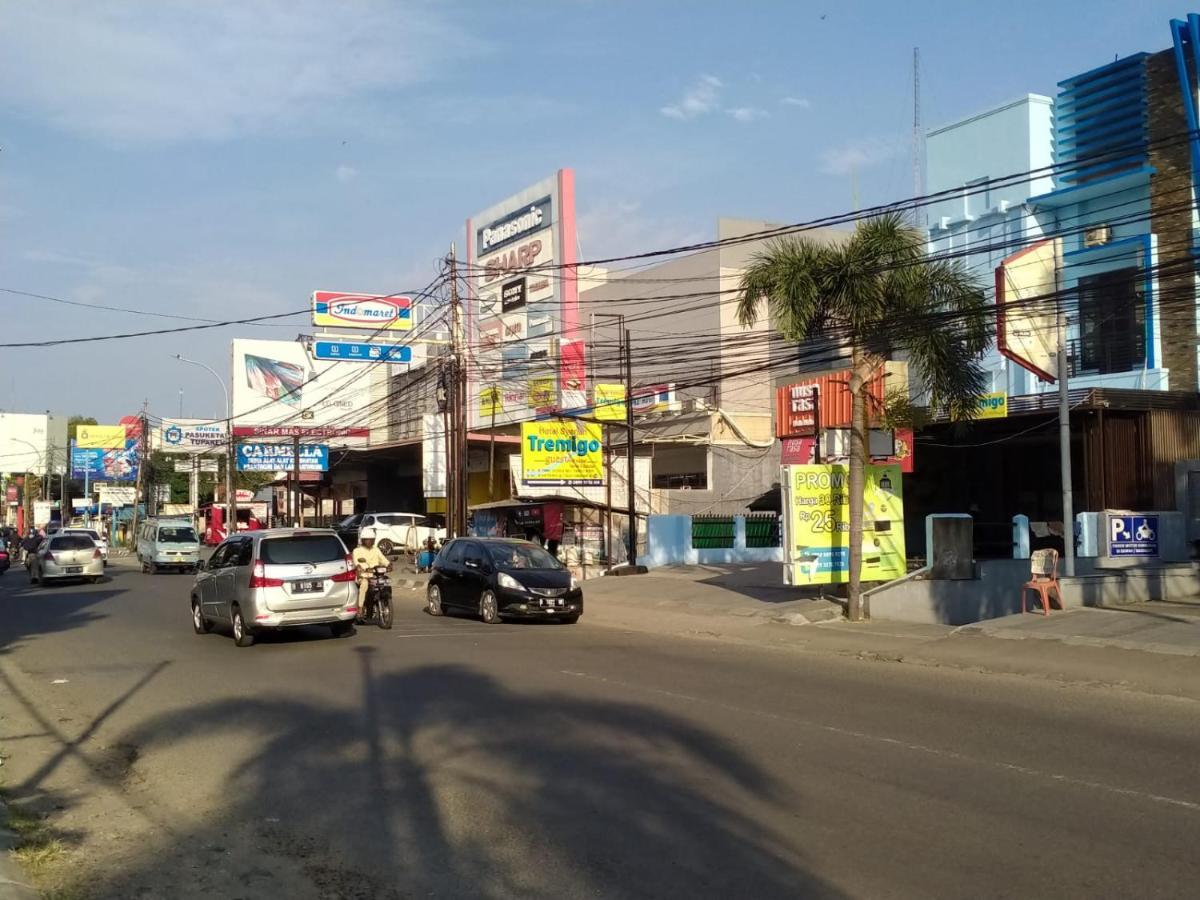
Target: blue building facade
<point x="1114" y="161"/>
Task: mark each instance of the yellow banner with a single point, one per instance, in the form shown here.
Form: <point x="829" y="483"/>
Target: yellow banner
<point x="561" y="453"/>
<point x="491" y="403"/>
<point x="993" y="405"/>
<point x="819" y="524"/>
<point x="608" y="401"/>
<point x="100" y="437"/>
<point x="541" y="392"/>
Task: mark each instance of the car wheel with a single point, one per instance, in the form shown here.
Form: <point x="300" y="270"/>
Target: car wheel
<point x="342" y="629"/>
<point x="386" y="547"/>
<point x="242" y="636"/>
<point x="199" y="623"/>
<point x="434" y="597"/>
<point x="489" y="608"/>
<point x="569" y="620"/>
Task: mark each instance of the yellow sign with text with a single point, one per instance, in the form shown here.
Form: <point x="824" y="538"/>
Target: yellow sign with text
<point x="561" y="453"/>
<point x="491" y="403"/>
<point x="993" y="406"/>
<point x="541" y="392"/>
<point x="818" y="513"/>
<point x="608" y="401"/>
<point x="100" y="437"/>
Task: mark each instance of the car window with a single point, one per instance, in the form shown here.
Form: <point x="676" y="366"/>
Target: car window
<point x="419" y="521"/>
<point x="243" y="555"/>
<point x="220" y="556"/>
<point x="349" y="522"/>
<point x="522" y="556"/>
<point x="70" y="542"/>
<point x="177" y="534"/>
<point x="308" y="548"/>
<point x="452" y="553"/>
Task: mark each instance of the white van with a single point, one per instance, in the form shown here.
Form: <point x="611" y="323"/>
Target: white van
<point x="168" y="544"/>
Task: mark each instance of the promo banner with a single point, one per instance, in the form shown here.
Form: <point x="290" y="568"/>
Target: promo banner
<point x="101" y="437"/>
<point x="110" y="464"/>
<point x="281" y="458"/>
<point x="561" y="453"/>
<point x="818" y="516"/>
<point x="608" y="401"/>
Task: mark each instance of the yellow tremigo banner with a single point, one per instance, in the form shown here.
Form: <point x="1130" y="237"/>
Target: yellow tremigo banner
<point x="562" y="452"/>
<point x="608" y="401"/>
<point x="100" y="437"/>
<point x="818" y="549"/>
<point x="993" y="405"/>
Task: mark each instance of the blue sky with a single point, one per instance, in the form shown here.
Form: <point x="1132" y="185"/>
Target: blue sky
<point x="224" y="159"/>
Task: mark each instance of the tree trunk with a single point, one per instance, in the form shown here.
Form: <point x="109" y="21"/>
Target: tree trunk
<point x="858" y="463"/>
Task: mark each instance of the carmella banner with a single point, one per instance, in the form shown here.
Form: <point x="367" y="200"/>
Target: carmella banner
<point x="377" y="312"/>
<point x="282" y="458"/>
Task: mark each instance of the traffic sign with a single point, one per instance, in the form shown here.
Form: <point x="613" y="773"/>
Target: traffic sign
<point x="360" y="351"/>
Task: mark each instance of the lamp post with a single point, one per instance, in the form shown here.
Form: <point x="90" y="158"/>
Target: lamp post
<point x="231" y="501"/>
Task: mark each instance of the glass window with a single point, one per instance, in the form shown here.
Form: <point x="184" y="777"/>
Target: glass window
<point x="309" y="548"/>
<point x="178" y="534"/>
<point x="242" y="553"/>
<point x="71" y="542"/>
<point x="1112" y="323"/>
<point x="350" y="522"/>
<point x="521" y="556"/>
<point x="395" y="520"/>
<point x="220" y="556"/>
<point x="453" y="552"/>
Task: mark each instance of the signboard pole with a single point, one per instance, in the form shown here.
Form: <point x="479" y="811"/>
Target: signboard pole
<point x="630" y="468"/>
<point x="1064" y="421"/>
<point x="816" y="396"/>
<point x="299" y="518"/>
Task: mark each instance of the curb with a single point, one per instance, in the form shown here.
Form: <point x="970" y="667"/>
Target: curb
<point x="13" y="883"/>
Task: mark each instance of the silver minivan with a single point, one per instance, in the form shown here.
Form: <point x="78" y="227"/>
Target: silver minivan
<point x="278" y="578"/>
<point x="168" y="545"/>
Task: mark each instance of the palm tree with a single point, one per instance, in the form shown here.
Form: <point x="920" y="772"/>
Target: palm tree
<point x="875" y="294"/>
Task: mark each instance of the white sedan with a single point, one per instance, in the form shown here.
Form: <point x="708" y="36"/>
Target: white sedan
<point x="101" y="541"/>
<point x="63" y="556"/>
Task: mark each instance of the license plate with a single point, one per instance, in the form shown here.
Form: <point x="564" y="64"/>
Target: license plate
<point x="307" y="587"/>
<point x="74" y="570"/>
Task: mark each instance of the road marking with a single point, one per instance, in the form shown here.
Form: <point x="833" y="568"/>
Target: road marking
<point x="1189" y="805"/>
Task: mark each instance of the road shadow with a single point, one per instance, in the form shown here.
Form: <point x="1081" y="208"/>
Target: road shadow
<point x="28" y="610"/>
<point x="444" y="782"/>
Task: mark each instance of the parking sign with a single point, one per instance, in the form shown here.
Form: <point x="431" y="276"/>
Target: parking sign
<point x="1132" y="535"/>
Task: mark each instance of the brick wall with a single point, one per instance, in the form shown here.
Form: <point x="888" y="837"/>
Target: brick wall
<point x="1171" y="219"/>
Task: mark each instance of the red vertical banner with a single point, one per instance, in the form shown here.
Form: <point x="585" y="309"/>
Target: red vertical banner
<point x="572" y="372"/>
<point x="572" y="383"/>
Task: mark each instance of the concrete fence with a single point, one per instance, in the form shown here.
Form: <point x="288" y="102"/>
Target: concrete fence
<point x="669" y="543"/>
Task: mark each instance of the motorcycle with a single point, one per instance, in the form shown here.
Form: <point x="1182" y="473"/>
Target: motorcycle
<point x="378" y="602"/>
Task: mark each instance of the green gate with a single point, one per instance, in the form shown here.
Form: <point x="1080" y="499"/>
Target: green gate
<point x="712" y="532"/>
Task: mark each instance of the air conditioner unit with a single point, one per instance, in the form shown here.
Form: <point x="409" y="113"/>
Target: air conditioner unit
<point x="1098" y="236"/>
<point x="695" y="404"/>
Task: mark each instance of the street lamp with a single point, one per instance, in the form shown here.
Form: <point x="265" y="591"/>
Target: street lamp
<point x="231" y="501"/>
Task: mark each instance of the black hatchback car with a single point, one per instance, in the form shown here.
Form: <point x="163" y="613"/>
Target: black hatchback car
<point x="500" y="578"/>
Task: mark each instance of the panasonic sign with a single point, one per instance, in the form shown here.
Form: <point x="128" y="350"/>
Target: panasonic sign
<point x="530" y="218"/>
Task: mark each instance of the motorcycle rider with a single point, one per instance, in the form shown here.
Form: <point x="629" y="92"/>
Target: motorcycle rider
<point x="366" y="557"/>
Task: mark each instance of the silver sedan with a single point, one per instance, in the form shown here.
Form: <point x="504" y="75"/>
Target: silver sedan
<point x="63" y="556"/>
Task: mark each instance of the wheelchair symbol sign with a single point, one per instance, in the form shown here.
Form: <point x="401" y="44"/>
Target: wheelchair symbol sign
<point x="1130" y="535"/>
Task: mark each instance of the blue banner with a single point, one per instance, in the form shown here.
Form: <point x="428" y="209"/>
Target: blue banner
<point x="98" y="464"/>
<point x="280" y="458"/>
<point x="359" y="351"/>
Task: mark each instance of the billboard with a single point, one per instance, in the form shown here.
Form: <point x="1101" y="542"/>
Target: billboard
<point x="433" y="455"/>
<point x="375" y="312"/>
<point x="563" y="452"/>
<point x="1026" y="311"/>
<point x="103" y="437"/>
<point x="33" y="442"/>
<point x="109" y="464"/>
<point x="280" y="391"/>
<point x="189" y="436"/>
<point x="817" y="517"/>
<point x="523" y="305"/>
<point x="281" y="458"/>
<point x="608" y="402"/>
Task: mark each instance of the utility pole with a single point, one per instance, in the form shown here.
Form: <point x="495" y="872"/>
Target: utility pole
<point x="918" y="140"/>
<point x="141" y="474"/>
<point x="492" y="450"/>
<point x="1064" y="419"/>
<point x="458" y="407"/>
<point x="629" y="472"/>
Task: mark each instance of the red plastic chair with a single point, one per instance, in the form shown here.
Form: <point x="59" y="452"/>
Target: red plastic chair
<point x="1043" y="578"/>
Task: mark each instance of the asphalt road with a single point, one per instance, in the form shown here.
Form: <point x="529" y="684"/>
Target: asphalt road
<point x="449" y="758"/>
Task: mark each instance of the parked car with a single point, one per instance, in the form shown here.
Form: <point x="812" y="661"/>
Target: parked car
<point x="500" y="578"/>
<point x="397" y="531"/>
<point x="65" y="556"/>
<point x="101" y="540"/>
<point x="276" y="578"/>
<point x="168" y="544"/>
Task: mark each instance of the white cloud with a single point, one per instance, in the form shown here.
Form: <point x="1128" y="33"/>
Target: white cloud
<point x="700" y="99"/>
<point x="616" y="227"/>
<point x="801" y="102"/>
<point x="858" y="154"/>
<point x="128" y="73"/>
<point x="747" y="113"/>
<point x="345" y="173"/>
